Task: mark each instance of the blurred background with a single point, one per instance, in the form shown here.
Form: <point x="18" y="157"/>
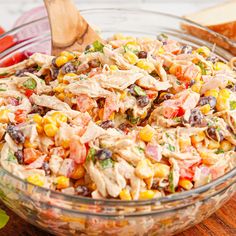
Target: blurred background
<point x="12" y="10"/>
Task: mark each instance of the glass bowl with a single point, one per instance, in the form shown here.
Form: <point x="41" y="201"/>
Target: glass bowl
<point x="63" y="214"/>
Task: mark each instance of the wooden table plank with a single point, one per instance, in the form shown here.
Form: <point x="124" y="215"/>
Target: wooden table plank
<point x="221" y="223"/>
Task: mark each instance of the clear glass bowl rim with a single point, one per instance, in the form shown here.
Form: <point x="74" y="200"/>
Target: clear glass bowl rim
<point x="169" y="198"/>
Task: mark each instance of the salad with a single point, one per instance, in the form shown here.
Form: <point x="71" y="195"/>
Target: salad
<point x="131" y="119"/>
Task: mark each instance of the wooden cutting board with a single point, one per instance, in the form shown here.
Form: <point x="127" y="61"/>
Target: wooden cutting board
<point x="222" y="223"/>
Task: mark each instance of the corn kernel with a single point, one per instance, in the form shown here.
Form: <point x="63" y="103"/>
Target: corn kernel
<point x="70" y="95"/>
<point x="186" y="184"/>
<point x="204" y="51"/>
<point x="222" y="103"/>
<point x="59" y="89"/>
<point x="59" y="117"/>
<point x="123" y="95"/>
<point x="60" y="78"/>
<point x="147" y="194"/>
<point x="161" y="50"/>
<point x="196" y="87"/>
<point x="173" y="68"/>
<point x="62" y="182"/>
<point x="213" y="144"/>
<point x="28" y="144"/>
<point x="184" y="142"/>
<point x="144" y="169"/>
<point x="39" y="128"/>
<point x="224" y="93"/>
<point x="65" y="143"/>
<point x="131" y="57"/>
<point x="198" y="138"/>
<point x="112" y="116"/>
<point x="4" y="116"/>
<point x="78" y="172"/>
<point x="48" y="120"/>
<point x="113" y="67"/>
<point x="35" y="179"/>
<point x="161" y="170"/>
<point x="50" y="130"/>
<point x="61" y="96"/>
<point x="61" y="60"/>
<point x="71" y="75"/>
<point x="212" y="92"/>
<point x="146" y="133"/>
<point x="125" y="195"/>
<point x="67" y="54"/>
<point x="225" y="146"/>
<point x="145" y="65"/>
<point x="205" y="109"/>
<point x="37" y="119"/>
<point x="221" y="66"/>
<point x="143" y="115"/>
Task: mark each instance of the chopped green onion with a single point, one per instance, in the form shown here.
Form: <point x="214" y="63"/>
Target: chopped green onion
<point x="30" y="84"/>
<point x="98" y="47"/>
<point x="232" y="105"/>
<point x="107" y="163"/>
<point x="202" y="67"/>
<point x="170" y="147"/>
<point x="139" y="91"/>
<point x="4" y="218"/>
<point x="91" y="155"/>
<point x="171" y="181"/>
<point x="219" y="151"/>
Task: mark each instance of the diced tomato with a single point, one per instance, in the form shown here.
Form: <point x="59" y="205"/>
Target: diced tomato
<point x="151" y="94"/>
<point x="18" y="57"/>
<point x="181" y="112"/>
<point x="170" y="112"/>
<point x="29" y="92"/>
<point x="84" y="103"/>
<point x="31" y="155"/>
<point x="20" y="116"/>
<point x="78" y="151"/>
<point x="111" y="105"/>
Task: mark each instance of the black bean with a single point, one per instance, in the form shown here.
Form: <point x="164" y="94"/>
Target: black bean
<point x="88" y="47"/>
<point x="196" y="117"/>
<point x="107" y="124"/>
<point x="103" y="154"/>
<point x="232" y="87"/>
<point x="68" y="68"/>
<point x="142" y="101"/>
<point x="55" y="73"/>
<point x="186" y="49"/>
<point x="124" y="127"/>
<point x="19" y="156"/>
<point x="46" y="168"/>
<point x="54" y="62"/>
<point x="39" y="110"/>
<point x="101" y="102"/>
<point x="15" y="134"/>
<point x="208" y="100"/>
<point x="163" y="98"/>
<point x="82" y="190"/>
<point x="212" y="59"/>
<point x="142" y="55"/>
<point x="94" y="63"/>
<point x="21" y="73"/>
<point x="214" y="134"/>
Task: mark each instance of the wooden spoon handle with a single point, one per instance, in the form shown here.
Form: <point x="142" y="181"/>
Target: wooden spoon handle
<point x="69" y="29"/>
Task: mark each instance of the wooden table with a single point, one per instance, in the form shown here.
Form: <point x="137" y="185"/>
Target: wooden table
<point x="222" y="223"/>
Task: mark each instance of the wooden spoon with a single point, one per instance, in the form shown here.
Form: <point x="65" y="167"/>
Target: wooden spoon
<point x="69" y="29"/>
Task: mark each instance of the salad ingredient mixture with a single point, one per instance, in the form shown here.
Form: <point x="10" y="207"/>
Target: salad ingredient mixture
<point x="133" y="119"/>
